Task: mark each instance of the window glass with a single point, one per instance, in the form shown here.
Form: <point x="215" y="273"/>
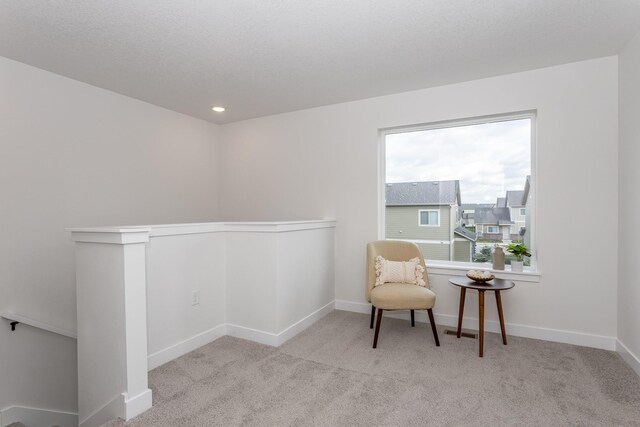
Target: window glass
<point x="464" y="181"/>
<point x="429" y="218"/>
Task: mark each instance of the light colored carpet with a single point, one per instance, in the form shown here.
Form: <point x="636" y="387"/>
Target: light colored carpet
<point x="330" y="376"/>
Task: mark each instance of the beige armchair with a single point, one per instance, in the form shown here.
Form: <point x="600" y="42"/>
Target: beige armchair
<point x="397" y="296"/>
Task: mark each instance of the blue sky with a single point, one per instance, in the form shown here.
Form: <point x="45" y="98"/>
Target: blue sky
<point x="488" y="158"/>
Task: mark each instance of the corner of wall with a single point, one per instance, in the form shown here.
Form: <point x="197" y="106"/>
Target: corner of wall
<point x="628" y="298"/>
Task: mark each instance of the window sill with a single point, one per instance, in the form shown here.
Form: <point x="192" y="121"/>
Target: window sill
<point x="440" y="268"/>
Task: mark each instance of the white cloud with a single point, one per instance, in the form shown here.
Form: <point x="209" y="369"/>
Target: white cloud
<point x="488" y="159"/>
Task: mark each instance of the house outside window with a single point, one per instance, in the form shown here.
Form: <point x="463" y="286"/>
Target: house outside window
<point x="429" y="218"/>
<point x="467" y="181"/>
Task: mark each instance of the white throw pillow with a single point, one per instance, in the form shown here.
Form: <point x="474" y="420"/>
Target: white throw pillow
<point x="399" y="271"/>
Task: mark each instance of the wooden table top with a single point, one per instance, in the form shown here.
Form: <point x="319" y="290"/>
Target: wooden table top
<point x="491" y="285"/>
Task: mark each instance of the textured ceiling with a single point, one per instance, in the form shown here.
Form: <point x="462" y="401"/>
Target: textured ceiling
<point x="260" y="57"/>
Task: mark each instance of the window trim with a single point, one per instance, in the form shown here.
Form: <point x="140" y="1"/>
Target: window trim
<point x="420" y="224"/>
<point x="493" y="232"/>
<point x="523" y="213"/>
<point x="453" y="267"/>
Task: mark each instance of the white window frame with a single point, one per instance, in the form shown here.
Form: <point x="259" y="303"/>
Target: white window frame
<point x="454" y="267"/>
<point x="420" y="224"/>
<point x="489" y="227"/>
<point x="523" y="211"/>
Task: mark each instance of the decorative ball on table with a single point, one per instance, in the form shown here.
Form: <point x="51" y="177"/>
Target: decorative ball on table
<point x="480" y="275"/>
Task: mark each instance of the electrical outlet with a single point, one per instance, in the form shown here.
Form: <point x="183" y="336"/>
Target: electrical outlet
<point x="195" y="297"/>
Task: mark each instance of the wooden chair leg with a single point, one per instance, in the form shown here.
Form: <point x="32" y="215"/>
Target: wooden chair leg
<point x="413" y="319"/>
<point x="373" y="315"/>
<point x="375" y="337"/>
<point x="433" y="327"/>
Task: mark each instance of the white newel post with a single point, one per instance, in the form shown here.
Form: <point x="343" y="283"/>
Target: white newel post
<point x="112" y="324"/>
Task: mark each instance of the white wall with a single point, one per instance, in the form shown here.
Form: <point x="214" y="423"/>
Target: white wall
<point x="628" y="289"/>
<point x="250" y="297"/>
<point x="176" y="266"/>
<point x="279" y="279"/>
<point x="323" y="162"/>
<point x="255" y="282"/>
<point x="73" y="155"/>
<point x="305" y="273"/>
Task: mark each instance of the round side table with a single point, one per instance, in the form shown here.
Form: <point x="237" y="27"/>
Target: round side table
<point x="495" y="285"/>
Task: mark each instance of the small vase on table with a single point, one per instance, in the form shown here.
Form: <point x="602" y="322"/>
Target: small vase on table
<point x="516" y="266"/>
<point x="498" y="258"/>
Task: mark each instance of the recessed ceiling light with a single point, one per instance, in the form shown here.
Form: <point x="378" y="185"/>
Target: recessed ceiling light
<point x="218" y="109"/>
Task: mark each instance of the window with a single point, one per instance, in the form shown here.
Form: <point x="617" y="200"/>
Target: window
<point x="429" y="218"/>
<point x="465" y="168"/>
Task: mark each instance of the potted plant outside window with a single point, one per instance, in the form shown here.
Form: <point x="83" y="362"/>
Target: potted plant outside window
<point x="519" y="250"/>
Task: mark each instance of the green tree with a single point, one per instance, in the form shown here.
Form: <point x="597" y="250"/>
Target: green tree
<point x="483" y="256"/>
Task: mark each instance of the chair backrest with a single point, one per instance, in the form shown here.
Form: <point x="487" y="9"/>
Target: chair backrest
<point x="393" y="250"/>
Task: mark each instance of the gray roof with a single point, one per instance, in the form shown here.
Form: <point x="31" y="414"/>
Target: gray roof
<point x="501" y="202"/>
<point x="466" y="206"/>
<point x="514" y="198"/>
<point x="472" y="206"/>
<point x="493" y="216"/>
<point x="467" y="234"/>
<point x="423" y="193"/>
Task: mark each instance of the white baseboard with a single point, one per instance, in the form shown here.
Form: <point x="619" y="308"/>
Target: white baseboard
<point x="33" y="417"/>
<point x="183" y="347"/>
<point x="251" y="334"/>
<point x="356" y="307"/>
<point x="134" y="406"/>
<point x="121" y="406"/>
<point x="535" y="332"/>
<point x="628" y="356"/>
<point x="276" y="340"/>
<point x="304" y="323"/>
<point x="108" y="412"/>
